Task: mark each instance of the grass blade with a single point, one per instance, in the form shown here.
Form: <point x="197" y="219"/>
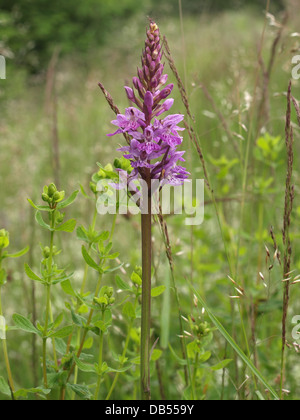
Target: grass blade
<point x="235" y="347"/>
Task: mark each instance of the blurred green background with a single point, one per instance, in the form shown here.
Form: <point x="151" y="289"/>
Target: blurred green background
<point x="53" y="126"/>
<point x="30" y="29"/>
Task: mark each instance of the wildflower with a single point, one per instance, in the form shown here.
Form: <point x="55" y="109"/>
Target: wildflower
<point x="154" y="142"/>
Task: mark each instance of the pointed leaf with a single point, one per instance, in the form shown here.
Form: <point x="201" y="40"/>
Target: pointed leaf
<point x="62" y="333"/>
<point x="41" y="208"/>
<point x="41" y="222"/>
<point x="68" y="201"/>
<point x="156" y="291"/>
<point x="221" y="365"/>
<point x="88" y="259"/>
<point x="4" y="387"/>
<point x="68" y="226"/>
<point x="18" y="254"/>
<point x="122" y="284"/>
<point x="31" y="274"/>
<point x="25" y="324"/>
<point x="85" y="367"/>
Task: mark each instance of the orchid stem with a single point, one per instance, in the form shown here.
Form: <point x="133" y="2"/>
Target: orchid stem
<point x="146" y="299"/>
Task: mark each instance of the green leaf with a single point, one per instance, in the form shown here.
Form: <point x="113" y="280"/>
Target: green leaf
<point x="88" y="259"/>
<point x="120" y="370"/>
<point x="31" y="274"/>
<point x="122" y="284"/>
<point x="84" y="193"/>
<point x="77" y="319"/>
<point x="259" y="395"/>
<point x="23" y="392"/>
<point x="88" y="344"/>
<point x="136" y="279"/>
<point x="221" y="365"/>
<point x="61" y="279"/>
<point x="25" y="324"/>
<point x="157" y="291"/>
<point x="235" y="347"/>
<point x="41" y="208"/>
<point x="85" y="367"/>
<point x="62" y="333"/>
<point x="41" y="222"/>
<point x="111" y="270"/>
<point x="156" y="354"/>
<point x="4" y="387"/>
<point x="67" y="288"/>
<point x="82" y="234"/>
<point x="68" y="201"/>
<point x="68" y="226"/>
<point x="18" y="254"/>
<point x="204" y="357"/>
<point x="81" y="390"/>
<point x="58" y="320"/>
<point x="181" y="361"/>
<point x="128" y="310"/>
<point x="112" y="256"/>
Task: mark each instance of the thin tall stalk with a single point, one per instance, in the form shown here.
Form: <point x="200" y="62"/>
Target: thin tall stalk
<point x="146" y="222"/>
<point x="4" y="346"/>
<point x="288" y="207"/>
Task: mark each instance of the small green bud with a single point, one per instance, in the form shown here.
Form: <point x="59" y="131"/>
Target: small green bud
<point x="51" y="190"/>
<point x="102" y="300"/>
<point x="93" y="187"/>
<point x="46" y="252"/>
<point x="112" y="300"/>
<point x="45" y="197"/>
<point x="101" y="174"/>
<point x="138" y="270"/>
<point x="108" y="168"/>
<point x="4" y="239"/>
<point x="60" y="217"/>
<point x="117" y="164"/>
<point x="109" y="292"/>
<point x="58" y="196"/>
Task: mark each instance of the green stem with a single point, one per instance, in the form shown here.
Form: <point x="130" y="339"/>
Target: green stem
<point x="90" y="245"/>
<point x="123" y="355"/>
<point x="48" y="314"/>
<point x="74" y="366"/>
<point x="146" y="300"/>
<point x="195" y="374"/>
<point x="100" y="359"/>
<point x="48" y="297"/>
<point x="5" y="352"/>
<point x="85" y="333"/>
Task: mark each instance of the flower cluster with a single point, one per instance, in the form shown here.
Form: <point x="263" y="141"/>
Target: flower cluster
<point x="153" y="141"/>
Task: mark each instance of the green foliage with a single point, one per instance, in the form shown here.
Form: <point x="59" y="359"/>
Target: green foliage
<point x="95" y="281"/>
<point x="214" y="6"/>
<point x="32" y="30"/>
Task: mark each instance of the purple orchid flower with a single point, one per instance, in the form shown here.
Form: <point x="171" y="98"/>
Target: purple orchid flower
<point x="154" y="141"/>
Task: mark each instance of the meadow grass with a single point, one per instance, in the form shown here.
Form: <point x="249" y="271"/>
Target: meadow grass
<point x="220" y="66"/>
